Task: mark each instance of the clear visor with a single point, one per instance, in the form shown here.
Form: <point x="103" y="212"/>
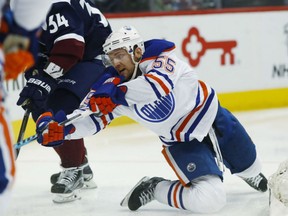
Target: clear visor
<point x="106" y="60"/>
<point x="117" y="55"/>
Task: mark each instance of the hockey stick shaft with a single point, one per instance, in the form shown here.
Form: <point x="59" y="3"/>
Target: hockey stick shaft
<point x="81" y="115"/>
<point x="22" y="130"/>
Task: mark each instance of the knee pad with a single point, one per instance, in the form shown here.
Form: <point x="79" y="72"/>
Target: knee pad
<point x="205" y="195"/>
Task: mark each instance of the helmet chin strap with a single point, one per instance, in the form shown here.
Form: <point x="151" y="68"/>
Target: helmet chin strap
<point x="134" y="72"/>
<point x="135" y="69"/>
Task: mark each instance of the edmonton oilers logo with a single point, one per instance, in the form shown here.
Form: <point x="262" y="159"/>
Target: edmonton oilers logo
<point x="157" y="111"/>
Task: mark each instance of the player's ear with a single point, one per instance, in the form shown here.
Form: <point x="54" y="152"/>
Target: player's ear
<point x="138" y="53"/>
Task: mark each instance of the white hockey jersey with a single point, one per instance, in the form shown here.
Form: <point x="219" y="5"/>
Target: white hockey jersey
<point x="168" y="98"/>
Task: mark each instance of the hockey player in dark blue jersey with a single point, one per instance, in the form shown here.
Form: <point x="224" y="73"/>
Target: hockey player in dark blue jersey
<point x="72" y="38"/>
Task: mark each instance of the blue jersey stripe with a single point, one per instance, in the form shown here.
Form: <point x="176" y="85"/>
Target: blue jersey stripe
<point x="200" y="116"/>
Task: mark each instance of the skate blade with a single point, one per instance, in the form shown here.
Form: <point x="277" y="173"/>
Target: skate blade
<point x="65" y="198"/>
<point x="124" y="202"/>
<point x="89" y="185"/>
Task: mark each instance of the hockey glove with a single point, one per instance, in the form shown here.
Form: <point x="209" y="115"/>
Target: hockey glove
<point x="19" y="46"/>
<point x="110" y="72"/>
<point x="108" y="96"/>
<point x="49" y="132"/>
<point x="36" y="91"/>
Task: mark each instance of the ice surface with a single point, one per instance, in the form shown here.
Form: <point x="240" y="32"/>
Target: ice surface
<point x="120" y="156"/>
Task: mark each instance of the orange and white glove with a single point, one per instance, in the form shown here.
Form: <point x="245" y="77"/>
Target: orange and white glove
<point x="20" y="46"/>
<point x="108" y="96"/>
<point x="50" y="132"/>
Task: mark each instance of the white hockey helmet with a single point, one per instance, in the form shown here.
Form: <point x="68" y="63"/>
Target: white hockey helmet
<point x="126" y="37"/>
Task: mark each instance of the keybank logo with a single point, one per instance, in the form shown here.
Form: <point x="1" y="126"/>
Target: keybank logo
<point x="194" y="47"/>
<point x="157" y="111"/>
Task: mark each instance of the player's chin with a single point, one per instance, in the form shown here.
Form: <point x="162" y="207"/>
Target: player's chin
<point x="125" y="74"/>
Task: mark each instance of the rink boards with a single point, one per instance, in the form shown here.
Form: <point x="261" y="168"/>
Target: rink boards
<point x="247" y="67"/>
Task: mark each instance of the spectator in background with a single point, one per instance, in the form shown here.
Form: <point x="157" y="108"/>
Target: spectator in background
<point x="122" y="6"/>
<point x="251" y="3"/>
<point x="106" y="6"/>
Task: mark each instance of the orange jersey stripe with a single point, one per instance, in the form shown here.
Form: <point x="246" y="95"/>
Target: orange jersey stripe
<point x="147" y="59"/>
<point x="8" y="140"/>
<point x="155" y="57"/>
<point x="161" y="83"/>
<point x="187" y="119"/>
<point x="171" y="165"/>
<point x="175" y="195"/>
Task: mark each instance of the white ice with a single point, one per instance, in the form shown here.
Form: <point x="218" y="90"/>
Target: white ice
<point x="120" y="156"/>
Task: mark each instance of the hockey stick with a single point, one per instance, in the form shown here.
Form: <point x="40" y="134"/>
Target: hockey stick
<point x="22" y="130"/>
<point x="28" y="140"/>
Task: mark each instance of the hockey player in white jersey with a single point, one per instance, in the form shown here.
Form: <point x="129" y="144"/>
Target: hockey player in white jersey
<point x="163" y="93"/>
<point x="18" y="38"/>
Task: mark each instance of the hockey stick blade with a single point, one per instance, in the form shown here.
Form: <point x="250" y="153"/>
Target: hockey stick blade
<point x="28" y="140"/>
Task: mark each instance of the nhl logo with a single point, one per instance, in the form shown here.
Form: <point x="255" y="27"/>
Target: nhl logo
<point x="191" y="167"/>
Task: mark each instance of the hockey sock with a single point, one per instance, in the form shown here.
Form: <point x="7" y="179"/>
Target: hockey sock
<point x="71" y="152"/>
<point x="251" y="171"/>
